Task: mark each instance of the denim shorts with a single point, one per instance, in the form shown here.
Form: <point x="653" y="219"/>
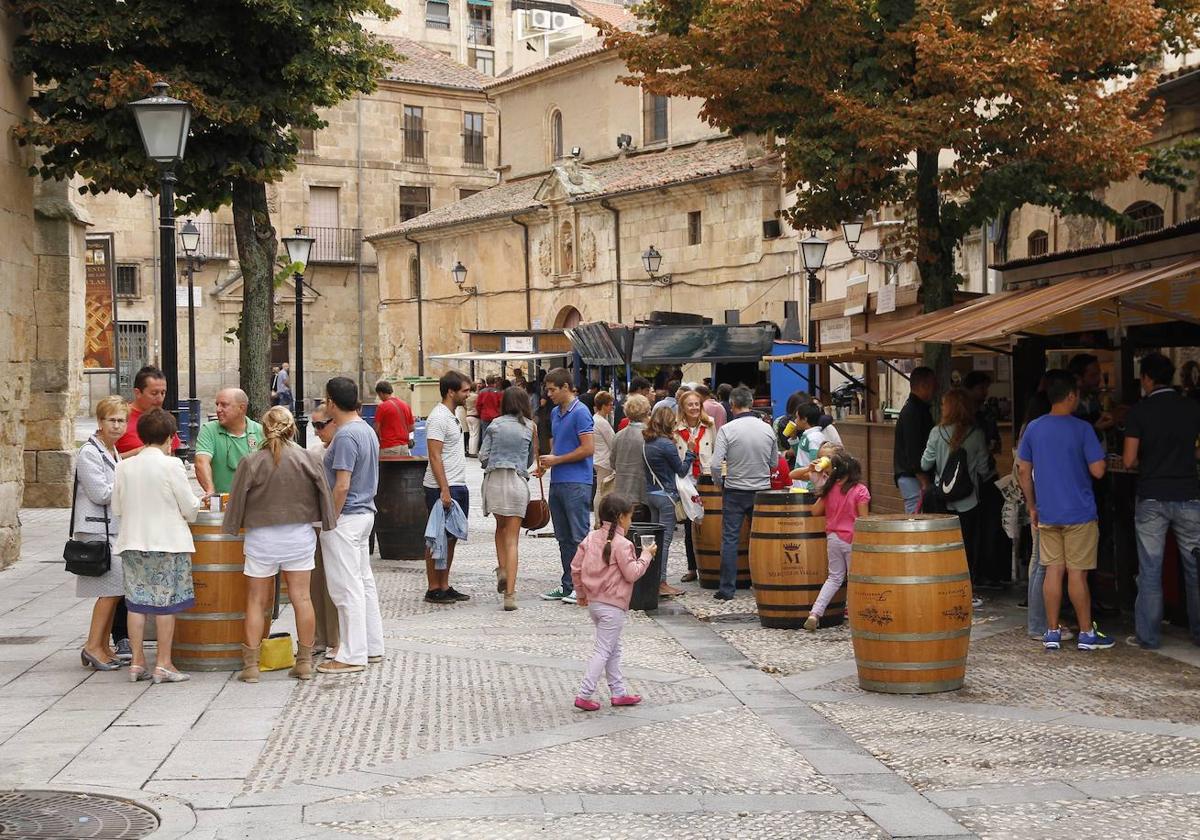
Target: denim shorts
<point x="458" y="492"/>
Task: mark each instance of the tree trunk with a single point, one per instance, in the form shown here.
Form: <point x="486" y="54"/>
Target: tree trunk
<point x="257" y="246"/>
<point x="935" y="257"/>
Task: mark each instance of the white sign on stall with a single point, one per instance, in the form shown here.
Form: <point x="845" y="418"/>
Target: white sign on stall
<point x="518" y="344"/>
<point x="835" y="331"/>
<point x="987" y="363"/>
<point x="181" y="297"/>
<point x="885" y="301"/>
<point x="856" y="295"/>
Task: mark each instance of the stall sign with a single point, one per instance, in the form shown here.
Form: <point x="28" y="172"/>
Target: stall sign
<point x="99" y="336"/>
<point x="836" y="330"/>
<point x="885" y="301"/>
<point x="181" y="300"/>
<point x="518" y="344"/>
<point x="987" y="363"/>
<point x="856" y="295"/>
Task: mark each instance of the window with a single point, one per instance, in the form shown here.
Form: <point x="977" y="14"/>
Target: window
<point x="694" y="232"/>
<point x="482" y="60"/>
<point x="479" y="25"/>
<point x="414" y="133"/>
<point x="772" y="229"/>
<point x="654" y="119"/>
<point x="437" y="14"/>
<point x="1039" y="243"/>
<point x="127" y="281"/>
<point x="133" y="352"/>
<point x="465" y="193"/>
<point x="556" y="136"/>
<point x="472" y="138"/>
<point x="413" y="202"/>
<point x="323" y="207"/>
<point x="1144" y="217"/>
<point x="308" y="139"/>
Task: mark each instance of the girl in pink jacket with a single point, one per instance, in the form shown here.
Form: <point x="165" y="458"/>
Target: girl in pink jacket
<point x="604" y="570"/>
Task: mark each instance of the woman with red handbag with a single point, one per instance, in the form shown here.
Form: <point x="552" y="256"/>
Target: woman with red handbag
<point x="696" y="432"/>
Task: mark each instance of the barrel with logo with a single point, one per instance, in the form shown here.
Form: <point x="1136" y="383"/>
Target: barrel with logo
<point x="208" y="637"/>
<point x="400" y="502"/>
<point x="910" y="603"/>
<point x="788" y="562"/>
<point x="706" y="539"/>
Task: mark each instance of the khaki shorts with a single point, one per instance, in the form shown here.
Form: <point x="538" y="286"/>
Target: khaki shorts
<point x="1071" y="545"/>
<point x="395" y="450"/>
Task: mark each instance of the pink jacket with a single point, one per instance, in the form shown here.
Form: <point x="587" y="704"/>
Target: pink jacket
<point x="612" y="582"/>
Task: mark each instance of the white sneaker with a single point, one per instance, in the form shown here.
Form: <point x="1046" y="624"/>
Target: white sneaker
<point x="1065" y="633"/>
<point x="570" y="599"/>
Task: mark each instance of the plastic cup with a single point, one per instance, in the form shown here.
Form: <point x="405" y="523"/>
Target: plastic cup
<point x="647" y="541"/>
<point x="790" y="429"/>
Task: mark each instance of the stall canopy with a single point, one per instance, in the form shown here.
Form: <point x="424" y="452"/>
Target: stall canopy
<point x="714" y="344"/>
<point x="1084" y="302"/>
<point x="494" y="356"/>
<point x="600" y="344"/>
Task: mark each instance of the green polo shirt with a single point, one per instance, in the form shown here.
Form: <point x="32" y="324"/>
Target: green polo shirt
<point x="227" y="450"/>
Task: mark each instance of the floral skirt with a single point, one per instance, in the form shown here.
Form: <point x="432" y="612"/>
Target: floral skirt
<point x="158" y="582"/>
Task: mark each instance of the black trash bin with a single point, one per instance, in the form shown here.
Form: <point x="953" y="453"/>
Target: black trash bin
<point x="645" y="589"/>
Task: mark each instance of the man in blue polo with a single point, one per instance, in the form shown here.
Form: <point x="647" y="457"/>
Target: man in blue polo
<point x="570" y="465"/>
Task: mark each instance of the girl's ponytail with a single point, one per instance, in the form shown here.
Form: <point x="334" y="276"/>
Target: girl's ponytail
<point x="612" y="532"/>
<point x="612" y="508"/>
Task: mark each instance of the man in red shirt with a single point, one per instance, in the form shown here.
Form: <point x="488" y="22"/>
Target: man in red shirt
<point x="149" y="391"/>
<point x="488" y="404"/>
<point x="393" y="421"/>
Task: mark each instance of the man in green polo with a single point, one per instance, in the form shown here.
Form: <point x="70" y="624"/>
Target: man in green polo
<point x="222" y="443"/>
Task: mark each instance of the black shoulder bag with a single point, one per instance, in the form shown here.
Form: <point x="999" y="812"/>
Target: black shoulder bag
<point x="87" y="559"/>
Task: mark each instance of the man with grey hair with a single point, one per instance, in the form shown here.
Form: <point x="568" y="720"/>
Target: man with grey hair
<point x="746" y="447"/>
<point x="224" y="442"/>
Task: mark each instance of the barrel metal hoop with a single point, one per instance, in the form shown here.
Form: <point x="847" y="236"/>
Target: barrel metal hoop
<point x="218" y="567"/>
<point x="784" y="514"/>
<point x="932" y="687"/>
<point x="787" y="587"/>
<point x="768" y="608"/>
<point x="902" y="526"/>
<point x="788" y="535"/>
<point x="910" y="637"/>
<point x="183" y="646"/>
<point x="914" y="666"/>
<point x="908" y="549"/>
<point x="218" y="538"/>
<point x="230" y="616"/>
<point x="900" y="580"/>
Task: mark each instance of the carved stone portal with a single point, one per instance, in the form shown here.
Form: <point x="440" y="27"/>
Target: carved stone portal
<point x="545" y="256"/>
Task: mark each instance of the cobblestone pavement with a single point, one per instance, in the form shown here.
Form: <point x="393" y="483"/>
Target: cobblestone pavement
<point x="466" y="729"/>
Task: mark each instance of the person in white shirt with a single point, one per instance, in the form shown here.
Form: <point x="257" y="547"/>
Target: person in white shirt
<point x="603" y="435"/>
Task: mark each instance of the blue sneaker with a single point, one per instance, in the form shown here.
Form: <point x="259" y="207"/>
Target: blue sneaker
<point x="1052" y="640"/>
<point x="1095" y="640"/>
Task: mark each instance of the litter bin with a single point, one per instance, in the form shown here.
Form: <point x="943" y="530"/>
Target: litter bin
<point x="420" y="444"/>
<point x="645" y="589"/>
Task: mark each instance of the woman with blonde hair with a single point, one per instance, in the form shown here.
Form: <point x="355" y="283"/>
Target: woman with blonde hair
<point x="694" y="431"/>
<point x="627" y="459"/>
<point x="92" y="520"/>
<point x="277" y="495"/>
<point x="663" y="464"/>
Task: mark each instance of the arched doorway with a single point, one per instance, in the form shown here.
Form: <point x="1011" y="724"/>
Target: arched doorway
<point x="567" y="317"/>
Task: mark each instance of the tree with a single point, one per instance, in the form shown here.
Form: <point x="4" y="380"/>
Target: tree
<point x="253" y="72"/>
<point x="959" y="111"/>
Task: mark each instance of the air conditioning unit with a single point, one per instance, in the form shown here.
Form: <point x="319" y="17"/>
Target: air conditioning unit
<point x="539" y="19"/>
<point x="558" y="21"/>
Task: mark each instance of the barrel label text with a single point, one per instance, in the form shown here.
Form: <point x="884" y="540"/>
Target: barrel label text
<point x="957" y="613"/>
<point x="876" y="617"/>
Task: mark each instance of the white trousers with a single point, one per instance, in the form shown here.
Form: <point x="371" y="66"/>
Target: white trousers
<point x="351" y="583"/>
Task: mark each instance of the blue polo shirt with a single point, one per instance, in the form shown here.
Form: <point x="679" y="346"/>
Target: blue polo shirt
<point x="567" y="428"/>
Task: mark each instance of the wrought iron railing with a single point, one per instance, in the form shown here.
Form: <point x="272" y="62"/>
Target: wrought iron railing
<point x="334" y="244"/>
<point x="216" y="240"/>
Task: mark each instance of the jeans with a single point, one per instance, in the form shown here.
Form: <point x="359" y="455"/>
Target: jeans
<point x="662" y="511"/>
<point x="570" y="513"/>
<point x="689" y="545"/>
<point x="736" y="507"/>
<point x="910" y="490"/>
<point x="837" y="551"/>
<point x="971" y="522"/>
<point x="1152" y="519"/>
<point x="1035" y="618"/>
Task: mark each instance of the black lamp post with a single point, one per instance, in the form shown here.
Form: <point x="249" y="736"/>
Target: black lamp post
<point x="163" y="124"/>
<point x="812" y="252"/>
<point x="189" y="238"/>
<point x="298" y="248"/>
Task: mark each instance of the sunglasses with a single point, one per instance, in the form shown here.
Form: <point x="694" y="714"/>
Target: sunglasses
<point x="320" y="424"/>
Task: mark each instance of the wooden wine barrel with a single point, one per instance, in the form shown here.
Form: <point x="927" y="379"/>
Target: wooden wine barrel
<point x="706" y="539"/>
<point x="910" y="603"/>
<point x="208" y="637"/>
<point x="788" y="563"/>
<point x="400" y="503"/>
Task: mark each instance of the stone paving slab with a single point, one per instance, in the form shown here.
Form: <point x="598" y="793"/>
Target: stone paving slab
<point x="1129" y="818"/>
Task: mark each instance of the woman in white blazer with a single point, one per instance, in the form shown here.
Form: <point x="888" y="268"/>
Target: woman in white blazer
<point x="155" y="502"/>
<point x="95" y="475"/>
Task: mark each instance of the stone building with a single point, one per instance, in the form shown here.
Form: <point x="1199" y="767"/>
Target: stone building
<point x="595" y="173"/>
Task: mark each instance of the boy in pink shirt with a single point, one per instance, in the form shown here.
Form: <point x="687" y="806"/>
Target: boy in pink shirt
<point x="843" y="499"/>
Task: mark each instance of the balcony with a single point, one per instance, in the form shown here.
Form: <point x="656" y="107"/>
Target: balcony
<point x="473" y="149"/>
<point x="217" y="241"/>
<point x="481" y="35"/>
<point x="335" y="245"/>
<point x="414" y="145"/>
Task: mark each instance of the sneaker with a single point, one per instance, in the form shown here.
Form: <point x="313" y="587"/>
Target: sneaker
<point x="438" y="596"/>
<point x="570" y="599"/>
<point x="1095" y="640"/>
<point x="976" y="602"/>
<point x="721" y="596"/>
<point x="587" y="704"/>
<point x="452" y="594"/>
<point x="555" y="594"/>
<point x="1065" y="633"/>
<point x="124" y="651"/>
<point x="627" y="699"/>
<point x="812" y="623"/>
<point x="1052" y="640"/>
<point x="1134" y="641"/>
<point x="333" y="667"/>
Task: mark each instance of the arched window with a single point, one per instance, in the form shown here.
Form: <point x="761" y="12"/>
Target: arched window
<point x="556" y="136"/>
<point x="1143" y="217"/>
<point x="1039" y="243"/>
<point x="414" y="276"/>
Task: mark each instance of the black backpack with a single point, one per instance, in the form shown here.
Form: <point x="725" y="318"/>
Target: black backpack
<point x="955" y="484"/>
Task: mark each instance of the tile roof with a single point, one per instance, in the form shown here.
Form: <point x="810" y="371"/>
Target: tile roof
<point x="633" y="173"/>
<point x="423" y="66"/>
<point x="1187" y="227"/>
<point x="611" y="13"/>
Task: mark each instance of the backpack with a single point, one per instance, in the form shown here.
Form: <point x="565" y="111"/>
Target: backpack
<point x="955" y="484"/>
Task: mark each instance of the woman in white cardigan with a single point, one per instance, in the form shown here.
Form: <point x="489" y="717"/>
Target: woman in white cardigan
<point x="155" y="502"/>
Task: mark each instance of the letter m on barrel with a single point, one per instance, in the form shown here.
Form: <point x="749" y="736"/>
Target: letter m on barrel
<point x="792" y="554"/>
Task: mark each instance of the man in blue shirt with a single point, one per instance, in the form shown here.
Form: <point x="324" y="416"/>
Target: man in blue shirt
<point x="570" y="465"/>
<point x="1057" y="460"/>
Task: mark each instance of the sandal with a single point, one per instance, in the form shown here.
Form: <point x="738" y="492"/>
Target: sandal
<point x="137" y="673"/>
<point x="162" y="675"/>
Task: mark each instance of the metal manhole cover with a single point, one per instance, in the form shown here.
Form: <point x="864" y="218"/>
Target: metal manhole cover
<point x="46" y="814"/>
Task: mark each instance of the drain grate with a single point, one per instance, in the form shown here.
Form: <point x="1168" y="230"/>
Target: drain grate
<point x="61" y="815"/>
<point x="21" y="640"/>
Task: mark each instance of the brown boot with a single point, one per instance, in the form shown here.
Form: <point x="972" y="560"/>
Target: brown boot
<point x="249" y="672"/>
<point x="303" y="669"/>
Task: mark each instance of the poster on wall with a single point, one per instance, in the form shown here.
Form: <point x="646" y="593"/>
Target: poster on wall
<point x="99" y="331"/>
<point x="856" y="295"/>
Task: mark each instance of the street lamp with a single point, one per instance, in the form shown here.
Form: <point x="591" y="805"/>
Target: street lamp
<point x="163" y="123"/>
<point x="812" y="253"/>
<point x="459" y="273"/>
<point x="652" y="262"/>
<point x="189" y="238"/>
<point x="298" y="248"/>
<point x="852" y="233"/>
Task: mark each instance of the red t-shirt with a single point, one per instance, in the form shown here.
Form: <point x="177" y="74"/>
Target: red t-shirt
<point x="393" y="422"/>
<point x="488" y="405"/>
<point x="130" y="439"/>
